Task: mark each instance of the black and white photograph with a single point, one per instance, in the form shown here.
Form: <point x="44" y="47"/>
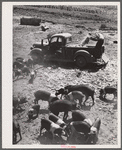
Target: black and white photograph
<point x="61" y="75"/>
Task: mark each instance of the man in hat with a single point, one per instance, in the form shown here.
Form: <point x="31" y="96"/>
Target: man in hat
<point x="95" y="37"/>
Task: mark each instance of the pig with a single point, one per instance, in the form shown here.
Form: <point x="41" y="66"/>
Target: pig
<point x="108" y="90"/>
<point x="17" y="73"/>
<point x="18" y="65"/>
<point x="51" y="127"/>
<point x="44" y="95"/>
<point x="59" y="121"/>
<point x="30" y="63"/>
<point x="53" y="99"/>
<point x="61" y="91"/>
<point x="77" y="115"/>
<point x="87" y="91"/>
<point x="75" y="95"/>
<point x="62" y="106"/>
<point x="32" y="76"/>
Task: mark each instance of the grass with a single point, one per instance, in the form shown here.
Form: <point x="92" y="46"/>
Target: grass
<point x="106" y="13"/>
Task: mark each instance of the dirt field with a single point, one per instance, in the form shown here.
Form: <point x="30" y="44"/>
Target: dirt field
<point x="52" y="76"/>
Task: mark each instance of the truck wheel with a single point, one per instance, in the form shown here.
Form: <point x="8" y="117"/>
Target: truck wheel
<point x="80" y="61"/>
<point x="36" y="58"/>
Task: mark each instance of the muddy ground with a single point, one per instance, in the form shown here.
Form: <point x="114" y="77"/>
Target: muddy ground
<point x="51" y="76"/>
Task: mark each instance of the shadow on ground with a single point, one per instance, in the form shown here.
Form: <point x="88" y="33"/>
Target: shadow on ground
<point x="84" y="107"/>
<point x="91" y="67"/>
<point x="46" y="138"/>
<point x="106" y="100"/>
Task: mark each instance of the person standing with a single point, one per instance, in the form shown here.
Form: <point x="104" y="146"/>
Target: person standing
<point x="96" y="36"/>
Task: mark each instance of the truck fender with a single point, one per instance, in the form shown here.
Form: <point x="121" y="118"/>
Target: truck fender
<point x="37" y="51"/>
<point x="89" y="58"/>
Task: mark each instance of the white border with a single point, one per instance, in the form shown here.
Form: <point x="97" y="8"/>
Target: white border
<point x="7" y="17"/>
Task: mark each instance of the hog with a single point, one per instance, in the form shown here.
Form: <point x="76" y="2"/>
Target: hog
<point x="17" y="65"/>
<point x="30" y="63"/>
<point x="44" y="95"/>
<point x="17" y="73"/>
<point x="62" y="106"/>
<point x="61" y="91"/>
<point x="57" y="120"/>
<point x="32" y="76"/>
<point x="16" y="102"/>
<point x="16" y="129"/>
<point x="75" y="95"/>
<point x="35" y="108"/>
<point x="25" y="70"/>
<point x="87" y="91"/>
<point x="108" y="90"/>
<point x="77" y="115"/>
<point x="51" y="127"/>
<point x="78" y="127"/>
<point x="53" y="99"/>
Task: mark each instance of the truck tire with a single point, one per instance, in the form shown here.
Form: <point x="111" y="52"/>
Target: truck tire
<point x="80" y="61"/>
<point x="36" y="55"/>
<point x="36" y="58"/>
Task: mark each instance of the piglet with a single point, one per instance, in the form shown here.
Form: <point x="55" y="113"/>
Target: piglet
<point x="108" y="90"/>
<point x="57" y="120"/>
<point x="85" y="89"/>
<point x="77" y="128"/>
<point x="75" y="95"/>
<point x="35" y="108"/>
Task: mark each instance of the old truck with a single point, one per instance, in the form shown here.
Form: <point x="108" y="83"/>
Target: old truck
<point x="59" y="47"/>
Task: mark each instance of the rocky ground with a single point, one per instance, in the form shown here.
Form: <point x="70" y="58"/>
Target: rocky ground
<point x="51" y="76"/>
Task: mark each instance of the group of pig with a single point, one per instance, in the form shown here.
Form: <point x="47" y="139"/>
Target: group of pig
<point x="79" y="125"/>
<point x="67" y="102"/>
<point x="72" y="98"/>
<point x="22" y="67"/>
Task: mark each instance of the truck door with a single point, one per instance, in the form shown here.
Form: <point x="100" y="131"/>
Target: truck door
<point x="53" y="45"/>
